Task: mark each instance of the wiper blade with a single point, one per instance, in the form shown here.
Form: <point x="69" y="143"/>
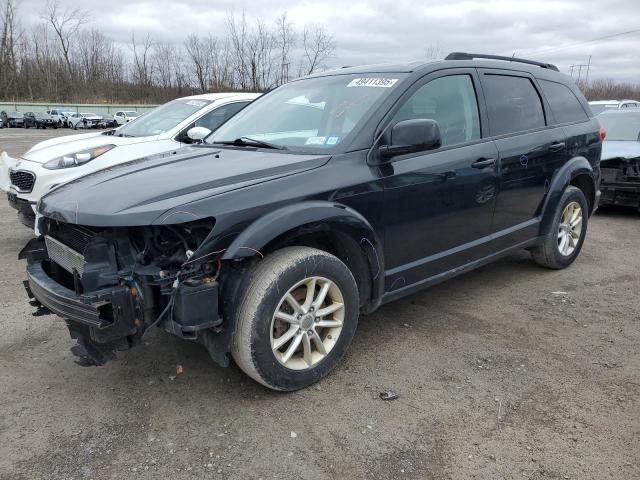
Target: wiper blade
<point x="251" y="142"/>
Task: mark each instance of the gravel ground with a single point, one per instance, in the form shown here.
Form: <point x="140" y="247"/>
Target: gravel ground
<point x="510" y="371"/>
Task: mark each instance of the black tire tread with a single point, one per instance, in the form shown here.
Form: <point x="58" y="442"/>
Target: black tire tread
<point x="546" y="254"/>
<point x="263" y="276"/>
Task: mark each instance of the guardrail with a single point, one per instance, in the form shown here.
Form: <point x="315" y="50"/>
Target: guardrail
<point x="78" y="107"/>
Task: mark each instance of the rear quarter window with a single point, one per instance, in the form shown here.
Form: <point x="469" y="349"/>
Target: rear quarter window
<point x="565" y="106"/>
<point x="513" y="104"/>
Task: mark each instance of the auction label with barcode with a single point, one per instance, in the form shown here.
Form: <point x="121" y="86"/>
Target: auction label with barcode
<point x="373" y="82"/>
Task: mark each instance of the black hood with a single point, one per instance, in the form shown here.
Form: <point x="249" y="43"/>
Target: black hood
<point x="139" y="192"/>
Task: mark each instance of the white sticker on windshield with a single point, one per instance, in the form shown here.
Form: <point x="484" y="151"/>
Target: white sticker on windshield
<point x="196" y="103"/>
<point x="332" y="140"/>
<point x="315" y="141"/>
<point x="373" y="82"/>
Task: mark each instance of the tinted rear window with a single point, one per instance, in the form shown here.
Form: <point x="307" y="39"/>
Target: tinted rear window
<point x="564" y="104"/>
<point x="513" y="104"/>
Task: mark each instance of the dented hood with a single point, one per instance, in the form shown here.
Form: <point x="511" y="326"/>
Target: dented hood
<point x="620" y="149"/>
<point x="139" y="192"/>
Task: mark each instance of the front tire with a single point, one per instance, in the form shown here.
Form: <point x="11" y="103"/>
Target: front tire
<point x="562" y="245"/>
<point x="297" y="317"/>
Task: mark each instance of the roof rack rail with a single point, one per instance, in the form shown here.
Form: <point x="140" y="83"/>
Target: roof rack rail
<point x="471" y="56"/>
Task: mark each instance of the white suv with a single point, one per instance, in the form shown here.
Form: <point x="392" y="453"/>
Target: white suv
<point x="61" y="114"/>
<point x="167" y="128"/>
<point x="125" y="116"/>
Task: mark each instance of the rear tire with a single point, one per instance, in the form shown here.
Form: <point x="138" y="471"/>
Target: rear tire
<point x="562" y="245"/>
<point x="288" y="347"/>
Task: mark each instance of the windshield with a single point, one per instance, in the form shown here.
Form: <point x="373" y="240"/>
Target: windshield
<point x="311" y="114"/>
<point x="162" y="118"/>
<point x="131" y="114"/>
<point x="621" y="126"/>
<point x="601" y="107"/>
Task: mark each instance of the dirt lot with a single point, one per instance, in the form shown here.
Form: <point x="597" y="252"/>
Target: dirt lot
<point x="500" y="375"/>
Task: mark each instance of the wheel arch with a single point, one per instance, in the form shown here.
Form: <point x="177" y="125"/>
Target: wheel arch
<point x="577" y="172"/>
<point x="330" y="226"/>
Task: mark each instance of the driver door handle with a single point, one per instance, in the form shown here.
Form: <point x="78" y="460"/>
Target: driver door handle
<point x="556" y="146"/>
<point x="483" y="162"/>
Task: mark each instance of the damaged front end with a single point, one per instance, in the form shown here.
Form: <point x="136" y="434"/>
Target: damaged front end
<point x="620" y="182"/>
<point x="112" y="284"/>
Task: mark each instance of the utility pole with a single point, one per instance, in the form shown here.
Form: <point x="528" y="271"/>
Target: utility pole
<point x="579" y="68"/>
<point x="586" y="80"/>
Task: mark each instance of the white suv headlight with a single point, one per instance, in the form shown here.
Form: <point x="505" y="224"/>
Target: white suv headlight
<point x="78" y="158"/>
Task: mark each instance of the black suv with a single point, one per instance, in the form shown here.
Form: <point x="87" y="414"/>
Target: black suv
<point x="39" y="120"/>
<point x="322" y="200"/>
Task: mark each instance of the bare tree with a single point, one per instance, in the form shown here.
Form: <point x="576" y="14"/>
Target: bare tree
<point x="61" y="59"/>
<point x="65" y="23"/>
<point x="259" y="56"/>
<point x="200" y="60"/>
<point x="285" y="40"/>
<point x="237" y="34"/>
<point x="318" y="46"/>
<point x="164" y="63"/>
<point x="607" y="88"/>
<point x="9" y="43"/>
<point x="142" y="63"/>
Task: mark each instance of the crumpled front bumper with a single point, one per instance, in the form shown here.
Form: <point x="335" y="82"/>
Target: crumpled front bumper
<point x="113" y="317"/>
<point x="103" y="321"/>
<point x="90" y="310"/>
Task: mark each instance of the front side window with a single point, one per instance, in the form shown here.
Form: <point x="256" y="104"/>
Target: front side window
<point x="450" y="101"/>
<point x="513" y="104"/>
<point x="564" y="104"/>
<point x="213" y="119"/>
<point x="310" y="114"/>
<point x="161" y="119"/>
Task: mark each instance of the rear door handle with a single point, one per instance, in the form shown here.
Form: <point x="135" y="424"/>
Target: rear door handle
<point x="556" y="146"/>
<point x="483" y="162"/>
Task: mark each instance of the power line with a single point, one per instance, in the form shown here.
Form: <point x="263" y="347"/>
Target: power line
<point x="585" y="42"/>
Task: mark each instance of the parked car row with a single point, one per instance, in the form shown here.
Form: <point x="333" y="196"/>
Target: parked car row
<point x="263" y="233"/>
<point x="66" y="117"/>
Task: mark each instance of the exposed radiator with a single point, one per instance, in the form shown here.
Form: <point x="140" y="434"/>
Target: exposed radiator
<point x="64" y="256"/>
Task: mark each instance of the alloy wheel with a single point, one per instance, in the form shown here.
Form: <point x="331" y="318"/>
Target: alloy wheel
<point x="570" y="229"/>
<point x="307" y="323"/>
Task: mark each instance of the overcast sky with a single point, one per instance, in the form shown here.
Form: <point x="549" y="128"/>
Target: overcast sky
<point x="398" y="30"/>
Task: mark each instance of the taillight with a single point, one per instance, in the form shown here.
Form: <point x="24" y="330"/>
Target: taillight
<point x="602" y="133"/>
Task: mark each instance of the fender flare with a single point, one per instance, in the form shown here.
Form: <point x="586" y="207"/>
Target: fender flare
<point x="316" y="216"/>
<point x="561" y="179"/>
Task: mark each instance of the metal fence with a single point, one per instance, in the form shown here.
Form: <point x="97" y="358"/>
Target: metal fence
<point x="78" y="107"/>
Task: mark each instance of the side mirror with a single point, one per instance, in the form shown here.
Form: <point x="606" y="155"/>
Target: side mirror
<point x="198" y="134"/>
<point x="410" y="136"/>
